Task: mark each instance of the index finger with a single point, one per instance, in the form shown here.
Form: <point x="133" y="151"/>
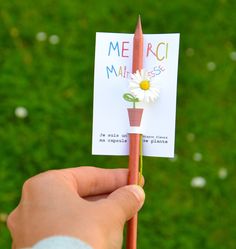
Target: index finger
<point x="91" y="181"/>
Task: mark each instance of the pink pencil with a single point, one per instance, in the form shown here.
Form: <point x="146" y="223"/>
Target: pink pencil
<point x="134" y="146"/>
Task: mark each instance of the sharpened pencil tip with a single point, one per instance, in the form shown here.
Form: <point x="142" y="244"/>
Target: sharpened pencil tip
<point x="138" y="30"/>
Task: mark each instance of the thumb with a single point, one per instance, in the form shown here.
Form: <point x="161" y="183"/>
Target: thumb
<point x="127" y="200"/>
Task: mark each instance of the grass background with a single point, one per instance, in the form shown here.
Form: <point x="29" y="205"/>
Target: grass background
<point x="55" y="84"/>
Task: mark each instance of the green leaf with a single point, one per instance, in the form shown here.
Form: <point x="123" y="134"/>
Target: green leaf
<point x="130" y="98"/>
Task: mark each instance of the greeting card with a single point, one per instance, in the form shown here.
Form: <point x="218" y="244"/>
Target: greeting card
<point x="113" y="77"/>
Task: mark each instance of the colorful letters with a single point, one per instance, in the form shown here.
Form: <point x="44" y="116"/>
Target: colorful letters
<point x="123" y="49"/>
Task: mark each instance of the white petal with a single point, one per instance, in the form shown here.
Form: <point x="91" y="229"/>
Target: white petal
<point x="134" y="80"/>
<point x="151" y="96"/>
<point x="147" y="98"/>
<point x="136" y="91"/>
<point x="137" y="78"/>
<point x="154" y="91"/>
<point x="142" y="73"/>
<point x="133" y="85"/>
<point x="139" y="94"/>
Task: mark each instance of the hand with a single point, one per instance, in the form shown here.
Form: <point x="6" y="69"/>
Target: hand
<point x="89" y="203"/>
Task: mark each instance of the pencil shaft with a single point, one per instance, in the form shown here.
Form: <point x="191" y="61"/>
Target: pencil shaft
<point x="133" y="179"/>
<point x="134" y="147"/>
<point x="132" y="233"/>
<point x="134" y="151"/>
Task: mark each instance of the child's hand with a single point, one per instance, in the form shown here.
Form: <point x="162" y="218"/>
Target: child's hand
<point x="89" y="203"/>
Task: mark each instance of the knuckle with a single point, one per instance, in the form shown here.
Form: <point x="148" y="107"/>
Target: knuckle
<point x="27" y="185"/>
<point x="37" y="180"/>
<point x="11" y="220"/>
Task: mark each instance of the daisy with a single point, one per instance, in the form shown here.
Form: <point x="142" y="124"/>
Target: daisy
<point x="142" y="87"/>
<point x="21" y="112"/>
<point x="41" y="36"/>
<point x="223" y="173"/>
<point x="198" y="182"/>
<point x="211" y="66"/>
<point x="197" y="157"/>
<point x="54" y="39"/>
<point x="232" y="56"/>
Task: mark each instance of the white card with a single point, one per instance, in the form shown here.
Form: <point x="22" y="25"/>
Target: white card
<point x="112" y="72"/>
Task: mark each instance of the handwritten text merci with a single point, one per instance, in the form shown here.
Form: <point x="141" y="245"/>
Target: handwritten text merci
<point x="160" y="51"/>
<point x="123" y="50"/>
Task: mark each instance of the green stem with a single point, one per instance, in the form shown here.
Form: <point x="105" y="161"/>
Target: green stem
<point x="141" y="160"/>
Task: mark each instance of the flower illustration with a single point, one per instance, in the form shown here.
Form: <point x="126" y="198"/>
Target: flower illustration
<point x="130" y="98"/>
<point x="143" y="88"/>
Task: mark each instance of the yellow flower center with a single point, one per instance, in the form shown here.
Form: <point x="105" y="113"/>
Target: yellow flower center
<point x="144" y="85"/>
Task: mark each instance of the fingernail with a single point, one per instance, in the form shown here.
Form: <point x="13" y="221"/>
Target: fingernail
<point x="141" y="180"/>
<point x="139" y="193"/>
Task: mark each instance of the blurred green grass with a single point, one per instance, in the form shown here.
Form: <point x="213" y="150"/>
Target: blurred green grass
<point x="55" y="84"/>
